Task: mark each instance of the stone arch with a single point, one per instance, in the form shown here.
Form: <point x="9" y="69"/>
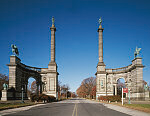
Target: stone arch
<point x="19" y="74"/>
<point x="132" y="74"/>
<point x="38" y="82"/>
<point x="119" y="87"/>
<point x="121" y="78"/>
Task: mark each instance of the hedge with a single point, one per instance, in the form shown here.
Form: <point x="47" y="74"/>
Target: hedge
<point x="42" y="97"/>
<point x="110" y="98"/>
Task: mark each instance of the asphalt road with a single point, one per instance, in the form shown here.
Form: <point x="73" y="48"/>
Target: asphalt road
<point x="72" y="107"/>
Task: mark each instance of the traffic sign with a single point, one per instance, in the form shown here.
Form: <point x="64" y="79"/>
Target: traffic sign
<point x="125" y="90"/>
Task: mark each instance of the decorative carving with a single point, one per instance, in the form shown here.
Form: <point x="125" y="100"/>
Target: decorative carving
<point x="102" y="83"/>
<point x="44" y="78"/>
<point x="108" y="81"/>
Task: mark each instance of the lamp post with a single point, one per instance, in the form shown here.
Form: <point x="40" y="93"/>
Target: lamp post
<point x="22" y="95"/>
<point x="122" y="95"/>
<point x="129" y="97"/>
<point x="57" y="96"/>
<point x="66" y="94"/>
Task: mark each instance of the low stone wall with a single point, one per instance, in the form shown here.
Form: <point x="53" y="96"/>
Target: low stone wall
<point x="7" y="95"/>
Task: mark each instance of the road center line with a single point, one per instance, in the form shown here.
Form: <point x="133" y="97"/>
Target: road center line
<point x="74" y="110"/>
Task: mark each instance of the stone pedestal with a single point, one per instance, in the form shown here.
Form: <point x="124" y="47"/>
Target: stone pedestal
<point x="13" y="71"/>
<point x="52" y="79"/>
<point x="138" y="72"/>
<point x="4" y="95"/>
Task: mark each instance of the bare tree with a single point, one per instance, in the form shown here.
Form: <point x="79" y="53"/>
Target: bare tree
<point x="59" y="90"/>
<point x="87" y="87"/>
<point x="3" y="79"/>
<point x="33" y="87"/>
<point x="64" y="89"/>
<point x="120" y="85"/>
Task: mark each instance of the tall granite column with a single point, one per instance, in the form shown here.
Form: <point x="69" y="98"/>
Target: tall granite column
<point x="52" y="75"/>
<point x="101" y="84"/>
<point x="100" y="38"/>
<point x="53" y="29"/>
<point x="100" y="65"/>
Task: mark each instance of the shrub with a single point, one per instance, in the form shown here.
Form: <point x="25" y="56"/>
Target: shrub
<point x="42" y="97"/>
<point x="33" y="97"/>
<point x="110" y="98"/>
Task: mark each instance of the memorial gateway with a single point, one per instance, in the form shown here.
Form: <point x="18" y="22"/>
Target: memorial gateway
<point x="19" y="73"/>
<point x="106" y="79"/>
<point x="47" y="78"/>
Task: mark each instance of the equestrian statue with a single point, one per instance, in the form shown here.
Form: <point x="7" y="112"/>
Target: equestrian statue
<point x="137" y="52"/>
<point x="15" y="49"/>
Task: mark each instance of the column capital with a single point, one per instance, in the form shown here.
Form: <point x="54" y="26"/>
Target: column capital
<point x="100" y="29"/>
<point x="53" y="28"/>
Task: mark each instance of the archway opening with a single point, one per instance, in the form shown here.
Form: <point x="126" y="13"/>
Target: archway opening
<point x="32" y="87"/>
<point x="120" y="85"/>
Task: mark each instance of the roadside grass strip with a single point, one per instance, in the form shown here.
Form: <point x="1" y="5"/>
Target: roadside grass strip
<point x="141" y="107"/>
<point x="4" y="106"/>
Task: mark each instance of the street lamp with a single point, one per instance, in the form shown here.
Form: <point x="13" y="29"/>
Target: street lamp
<point x="129" y="97"/>
<point x="22" y="96"/>
<point x="57" y="96"/>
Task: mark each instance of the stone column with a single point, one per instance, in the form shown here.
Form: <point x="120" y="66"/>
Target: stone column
<point x="100" y="49"/>
<point x="115" y="89"/>
<point x="40" y="87"/>
<point x="37" y="88"/>
<point x="101" y="71"/>
<point x="53" y="29"/>
<point x="52" y="74"/>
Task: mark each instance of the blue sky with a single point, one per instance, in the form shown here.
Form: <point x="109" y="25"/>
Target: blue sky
<point x="26" y="23"/>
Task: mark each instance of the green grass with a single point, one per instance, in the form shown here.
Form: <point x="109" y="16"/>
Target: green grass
<point x="13" y="105"/>
<point x="139" y="105"/>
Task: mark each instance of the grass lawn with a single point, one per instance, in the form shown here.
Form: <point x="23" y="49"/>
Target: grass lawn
<point x="13" y="105"/>
<point x="138" y="105"/>
<point x="141" y="107"/>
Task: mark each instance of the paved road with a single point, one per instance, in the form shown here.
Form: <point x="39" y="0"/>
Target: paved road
<point x="72" y="107"/>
